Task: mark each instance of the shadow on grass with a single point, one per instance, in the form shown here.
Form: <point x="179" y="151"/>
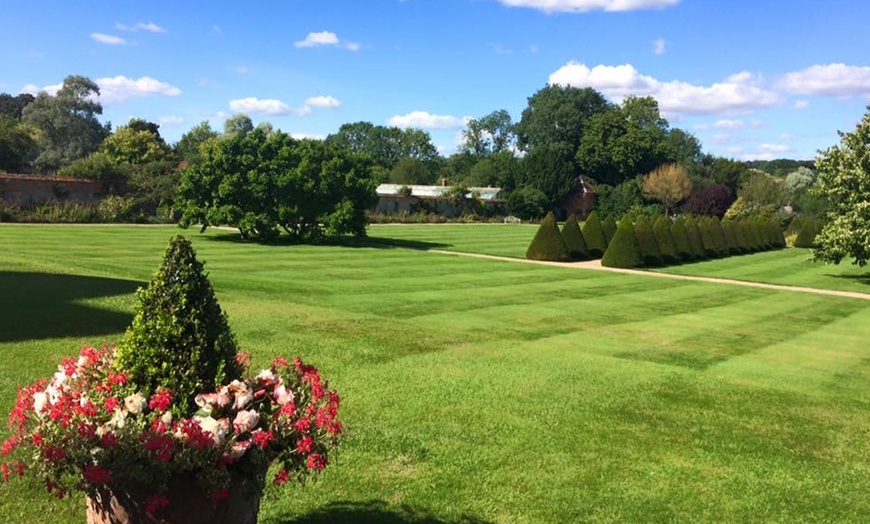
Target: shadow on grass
<point x="373" y="512"/>
<point x="351" y="242"/>
<point x="43" y="305"/>
<point x="863" y="278"/>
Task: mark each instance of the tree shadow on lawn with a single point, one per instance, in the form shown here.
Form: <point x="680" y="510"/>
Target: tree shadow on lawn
<point x="351" y="242"/>
<point x="43" y="305"/>
<point x="863" y="278"/>
<point x="373" y="512"/>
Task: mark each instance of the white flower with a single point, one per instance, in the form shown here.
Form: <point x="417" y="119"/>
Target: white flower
<point x="246" y="421"/>
<point x="266" y="376"/>
<point x="119" y="417"/>
<point x="135" y="403"/>
<point x="217" y="428"/>
<point x="166" y="418"/>
<point x="283" y="395"/>
<point x="244" y="394"/>
<point x="39" y="402"/>
<point x="239" y="449"/>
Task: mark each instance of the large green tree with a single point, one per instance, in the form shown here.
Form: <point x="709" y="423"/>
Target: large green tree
<point x="551" y="169"/>
<point x="67" y="123"/>
<point x="844" y="178"/>
<point x="558" y="114"/>
<point x="261" y="182"/>
<point x="385" y="146"/>
<point x="190" y="147"/>
<point x="493" y="133"/>
<point x="13" y="106"/>
<point x="18" y="146"/>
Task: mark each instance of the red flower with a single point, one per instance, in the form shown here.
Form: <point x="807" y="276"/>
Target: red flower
<point x="156" y="503"/>
<point x="10" y="444"/>
<point x="4" y="468"/>
<point x="97" y="475"/>
<point x="280" y="362"/>
<point x="243" y="359"/>
<point x="110" y="403"/>
<point x="54" y="453"/>
<point x="161" y="444"/>
<point x="282" y="477"/>
<point x="109" y="440"/>
<point x="302" y="425"/>
<point x="262" y="438"/>
<point x="317" y="461"/>
<point x="304" y="445"/>
<point x="161" y="400"/>
<point x="220" y="494"/>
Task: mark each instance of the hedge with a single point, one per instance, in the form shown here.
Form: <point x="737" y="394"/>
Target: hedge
<point x="593" y="233"/>
<point x="623" y="251"/>
<point x="574" y="239"/>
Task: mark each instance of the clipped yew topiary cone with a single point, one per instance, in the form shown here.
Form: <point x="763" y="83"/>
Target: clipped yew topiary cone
<point x="593" y="233"/>
<point x="548" y="243"/>
<point x="681" y="240"/>
<point x="179" y="339"/>
<point x="806" y="237"/>
<point x="609" y="226"/>
<point x="711" y="250"/>
<point x="729" y="231"/>
<point x="695" y="238"/>
<point x="649" y="248"/>
<point x="623" y="251"/>
<point x="667" y="245"/>
<point x="574" y="239"/>
<point x="718" y="236"/>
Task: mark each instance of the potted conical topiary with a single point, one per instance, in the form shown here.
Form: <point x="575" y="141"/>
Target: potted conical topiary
<point x="623" y="251"/>
<point x="593" y="233"/>
<point x="548" y="243"/>
<point x="573" y="238"/>
<point x="649" y="247"/>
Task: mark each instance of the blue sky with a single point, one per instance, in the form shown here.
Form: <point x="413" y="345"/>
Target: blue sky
<point x="751" y="79"/>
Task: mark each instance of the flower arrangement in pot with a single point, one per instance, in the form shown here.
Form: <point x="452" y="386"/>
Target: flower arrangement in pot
<point x="170" y="426"/>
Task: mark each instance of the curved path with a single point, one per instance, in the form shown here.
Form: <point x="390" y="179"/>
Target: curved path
<point x="596" y="265"/>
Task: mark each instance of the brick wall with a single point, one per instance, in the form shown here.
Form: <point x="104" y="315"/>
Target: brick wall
<point x="26" y="190"/>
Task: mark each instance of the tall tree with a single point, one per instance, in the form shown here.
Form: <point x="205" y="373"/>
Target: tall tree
<point x="844" y="178"/>
<point x="550" y="168"/>
<point x="238" y="125"/>
<point x="557" y="114"/>
<point x="17" y="145"/>
<point x="139" y="142"/>
<point x="190" y="147"/>
<point x="67" y="123"/>
<point x="490" y="134"/>
<point x="669" y="184"/>
<point x="13" y="106"/>
<point x="386" y="146"/>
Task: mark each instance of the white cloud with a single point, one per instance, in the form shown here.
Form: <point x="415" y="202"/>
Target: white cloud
<point x="323" y="102"/>
<point x="831" y="79"/>
<point x="734" y="95"/>
<point x="121" y="88"/>
<point x="34" y="89"/>
<point x="720" y="138"/>
<point x="255" y="106"/>
<point x="728" y="124"/>
<point x="151" y="27"/>
<point x="170" y="120"/>
<point x="424" y="120"/>
<point x="659" y="46"/>
<point x="785" y="136"/>
<point x="241" y="70"/>
<point x="307" y="136"/>
<point x="801" y="104"/>
<point x="318" y="39"/>
<point x="749" y="157"/>
<point x="582" y="6"/>
<point x="353" y="46"/>
<point x="773" y="148"/>
<point x="108" y="39"/>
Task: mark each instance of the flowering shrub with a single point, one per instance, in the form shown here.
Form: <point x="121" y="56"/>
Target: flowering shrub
<point x="87" y="428"/>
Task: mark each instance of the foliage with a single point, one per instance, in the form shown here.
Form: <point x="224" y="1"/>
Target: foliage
<point x="527" y="203"/>
<point x="180" y="339"/>
<point x="682" y="243"/>
<point x="720" y="170"/>
<point x="13" y="106"/>
<point x="573" y="238"/>
<point x="719" y="239"/>
<point x="798" y="182"/>
<point x="669" y="184"/>
<point x="489" y="135"/>
<point x="806" y="237"/>
<point x="558" y="115"/>
<point x="257" y="183"/>
<point x="711" y="200"/>
<point x="18" y="145"/>
<point x="731" y="237"/>
<point x="501" y="169"/>
<point x="711" y="248"/>
<point x="646" y="241"/>
<point x="192" y="143"/>
<point x="90" y="428"/>
<point x="137" y="143"/>
<point x="609" y="226"/>
<point x="238" y="125"/>
<point x="844" y="178"/>
<point x="385" y="146"/>
<point x="761" y="194"/>
<point x="665" y="240"/>
<point x="548" y="243"/>
<point x="410" y="171"/>
<point x="593" y="233"/>
<point x="620" y="199"/>
<point x="694" y="234"/>
<point x="67" y="123"/>
<point x="550" y="168"/>
<point x="779" y="167"/>
<point x="623" y="251"/>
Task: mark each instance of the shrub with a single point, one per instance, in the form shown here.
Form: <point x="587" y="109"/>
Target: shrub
<point x="752" y="243"/>
<point x="179" y="339"/>
<point x="694" y="235"/>
<point x="623" y="251"/>
<point x="718" y="236"/>
<point x="711" y="250"/>
<point x="730" y="233"/>
<point x="681" y="240"/>
<point x="667" y="245"/>
<point x="806" y="237"/>
<point x="527" y="203"/>
<point x="593" y="233"/>
<point x="649" y="248"/>
<point x="574" y="239"/>
<point x="609" y="225"/>
<point x="712" y="200"/>
<point x="548" y="243"/>
<point x="759" y="229"/>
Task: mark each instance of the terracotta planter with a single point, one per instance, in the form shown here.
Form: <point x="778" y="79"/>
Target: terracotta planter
<point x="187" y="505"/>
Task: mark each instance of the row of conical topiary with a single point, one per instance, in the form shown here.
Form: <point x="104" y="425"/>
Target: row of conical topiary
<point x="667" y="242"/>
<point x="806" y="230"/>
<point x="642" y="243"/>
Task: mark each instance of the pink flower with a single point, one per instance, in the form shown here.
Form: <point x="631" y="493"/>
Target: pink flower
<point x="238" y="450"/>
<point x="283" y="395"/>
<point x="246" y="421"/>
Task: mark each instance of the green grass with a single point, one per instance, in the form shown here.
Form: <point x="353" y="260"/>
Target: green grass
<point x="486" y="391"/>
<point x="509" y="240"/>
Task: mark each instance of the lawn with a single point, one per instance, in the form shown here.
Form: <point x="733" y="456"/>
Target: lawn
<point x="486" y="391"/>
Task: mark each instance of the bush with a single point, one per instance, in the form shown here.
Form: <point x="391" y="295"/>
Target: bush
<point x="593" y="233"/>
<point x="759" y="229"/>
<point x="777" y="234"/>
<point x="667" y="245"/>
<point x="694" y="235"/>
<point x="548" y="243"/>
<point x="707" y="242"/>
<point x="609" y="226"/>
<point x="712" y="200"/>
<point x="649" y="248"/>
<point x="718" y="236"/>
<point x="527" y="203"/>
<point x="573" y="238"/>
<point x="730" y="233"/>
<point x="806" y="237"/>
<point x="623" y="251"/>
<point x="179" y="339"/>
<point x="681" y="240"/>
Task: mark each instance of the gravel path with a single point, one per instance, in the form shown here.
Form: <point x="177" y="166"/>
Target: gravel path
<point x="596" y="265"/>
